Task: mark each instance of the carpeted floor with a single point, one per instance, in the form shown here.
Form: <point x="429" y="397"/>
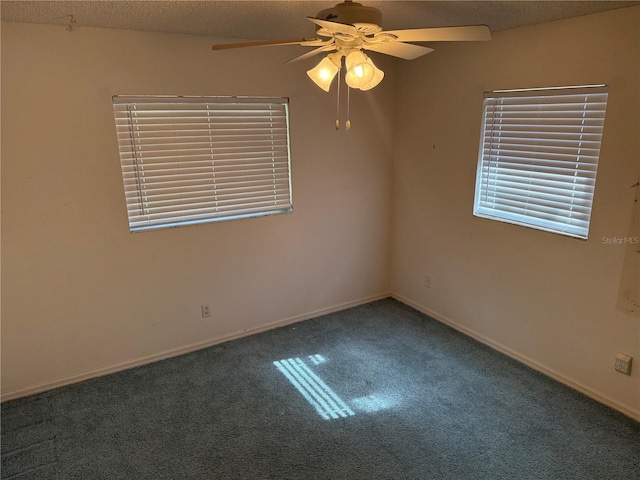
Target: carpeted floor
<point x="379" y="391"/>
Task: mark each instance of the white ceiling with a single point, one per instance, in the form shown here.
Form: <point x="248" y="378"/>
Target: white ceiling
<point x="266" y="19"/>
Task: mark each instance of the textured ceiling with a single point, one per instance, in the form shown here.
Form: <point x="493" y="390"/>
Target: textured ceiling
<point x="267" y="19"/>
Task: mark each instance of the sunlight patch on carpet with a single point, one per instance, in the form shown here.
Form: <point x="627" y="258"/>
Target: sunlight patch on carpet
<point x="317" y="359"/>
<point x="374" y="402"/>
<point x="326" y="402"/>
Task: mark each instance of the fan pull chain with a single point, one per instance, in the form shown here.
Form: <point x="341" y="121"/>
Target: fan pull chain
<point x="348" y="123"/>
<point x="338" y="101"/>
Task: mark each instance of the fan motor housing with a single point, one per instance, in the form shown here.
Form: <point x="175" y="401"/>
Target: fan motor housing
<point x="367" y="20"/>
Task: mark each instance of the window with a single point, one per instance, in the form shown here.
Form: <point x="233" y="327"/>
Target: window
<point x="189" y="160"/>
<point x="538" y="157"/>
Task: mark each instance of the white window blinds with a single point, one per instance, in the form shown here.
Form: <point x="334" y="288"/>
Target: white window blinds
<point x="188" y="160"/>
<point x="538" y="157"/>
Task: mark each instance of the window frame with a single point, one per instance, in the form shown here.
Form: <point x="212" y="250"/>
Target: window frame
<point x="530" y="189"/>
<point x="187" y="160"/>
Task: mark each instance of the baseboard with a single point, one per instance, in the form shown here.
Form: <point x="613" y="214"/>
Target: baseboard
<point x="595" y="395"/>
<point x="185" y="349"/>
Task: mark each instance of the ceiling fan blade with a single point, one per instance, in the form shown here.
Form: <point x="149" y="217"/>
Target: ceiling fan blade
<point x="310" y="42"/>
<point x="399" y="49"/>
<point x="310" y="54"/>
<point x="335" y="27"/>
<point x="443" y="34"/>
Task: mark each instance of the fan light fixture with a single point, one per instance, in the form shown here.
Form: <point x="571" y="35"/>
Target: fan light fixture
<point x="361" y="74"/>
<point x="324" y="73"/>
<point x="361" y="71"/>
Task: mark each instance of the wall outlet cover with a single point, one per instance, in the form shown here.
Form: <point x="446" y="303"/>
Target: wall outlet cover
<point x="623" y="363"/>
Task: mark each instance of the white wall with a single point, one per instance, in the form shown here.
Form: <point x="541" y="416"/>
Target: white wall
<point x="81" y="295"/>
<point x="547" y="299"/>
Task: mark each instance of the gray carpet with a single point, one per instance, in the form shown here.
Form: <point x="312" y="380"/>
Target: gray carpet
<point x="379" y="391"/>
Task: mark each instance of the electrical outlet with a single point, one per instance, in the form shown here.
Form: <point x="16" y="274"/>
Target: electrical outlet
<point x="427" y="281"/>
<point x="623" y="363"/>
<point x="206" y="311"/>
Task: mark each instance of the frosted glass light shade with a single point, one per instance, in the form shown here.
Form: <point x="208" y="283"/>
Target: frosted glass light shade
<point x="324" y="73"/>
<point x="377" y="77"/>
<point x="360" y="72"/>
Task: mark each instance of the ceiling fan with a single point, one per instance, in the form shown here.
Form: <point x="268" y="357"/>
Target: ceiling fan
<point x="349" y="28"/>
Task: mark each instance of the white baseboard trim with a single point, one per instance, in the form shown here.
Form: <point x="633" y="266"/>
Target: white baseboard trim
<point x="595" y="395"/>
<point x="174" y="352"/>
